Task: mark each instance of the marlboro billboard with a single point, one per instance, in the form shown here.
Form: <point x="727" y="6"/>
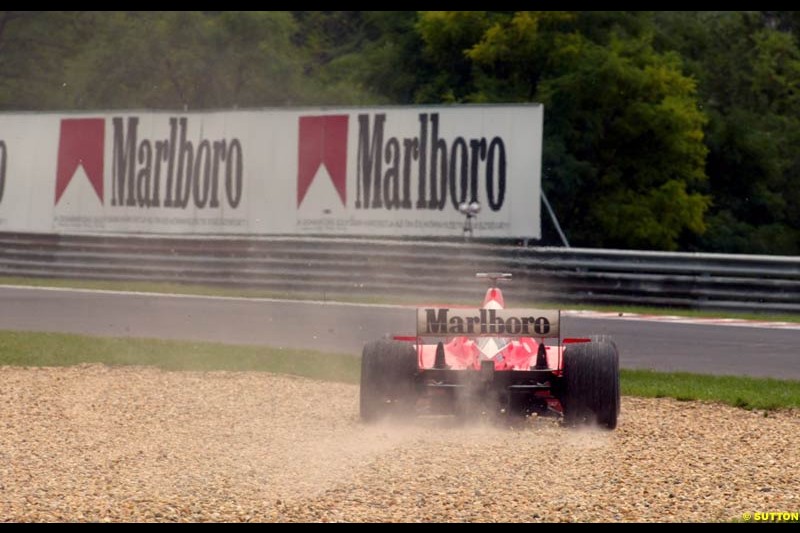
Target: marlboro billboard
<point x="394" y="171"/>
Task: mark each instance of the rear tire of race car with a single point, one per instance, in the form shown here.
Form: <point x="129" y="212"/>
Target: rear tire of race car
<point x="388" y="387"/>
<point x="591" y="383"/>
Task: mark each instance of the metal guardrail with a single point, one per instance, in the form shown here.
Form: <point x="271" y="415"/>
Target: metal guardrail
<point x="430" y="271"/>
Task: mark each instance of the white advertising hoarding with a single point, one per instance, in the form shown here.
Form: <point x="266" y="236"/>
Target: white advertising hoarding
<point x="393" y="171"/>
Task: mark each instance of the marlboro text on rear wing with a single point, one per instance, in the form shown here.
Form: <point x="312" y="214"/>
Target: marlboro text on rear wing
<point x="488" y="322"/>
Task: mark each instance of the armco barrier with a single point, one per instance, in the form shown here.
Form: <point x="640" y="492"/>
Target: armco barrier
<point x="431" y="271"/>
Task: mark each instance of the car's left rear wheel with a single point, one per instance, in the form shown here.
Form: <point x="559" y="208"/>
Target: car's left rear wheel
<point x="388" y="370"/>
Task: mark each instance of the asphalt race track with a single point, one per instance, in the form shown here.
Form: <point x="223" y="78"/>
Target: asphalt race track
<point x="755" y="350"/>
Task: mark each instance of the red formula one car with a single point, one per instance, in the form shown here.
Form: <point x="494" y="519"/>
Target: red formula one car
<point x="491" y="360"/>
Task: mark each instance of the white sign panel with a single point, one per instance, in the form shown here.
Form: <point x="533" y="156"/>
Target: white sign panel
<point x="395" y="171"/>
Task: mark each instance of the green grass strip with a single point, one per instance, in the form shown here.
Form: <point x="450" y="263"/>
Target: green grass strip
<point x="60" y="349"/>
<point x="739" y="391"/>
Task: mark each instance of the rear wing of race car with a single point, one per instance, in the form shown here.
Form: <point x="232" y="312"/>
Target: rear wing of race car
<point x="445" y="321"/>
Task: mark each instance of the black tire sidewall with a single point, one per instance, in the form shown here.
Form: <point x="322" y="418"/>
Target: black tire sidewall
<point x="591" y="383"/>
<point x="388" y="369"/>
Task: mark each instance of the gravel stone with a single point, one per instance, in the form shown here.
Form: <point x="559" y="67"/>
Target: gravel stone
<point x="94" y="443"/>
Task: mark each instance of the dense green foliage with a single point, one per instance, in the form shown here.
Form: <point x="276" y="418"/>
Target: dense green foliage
<point x="663" y="130"/>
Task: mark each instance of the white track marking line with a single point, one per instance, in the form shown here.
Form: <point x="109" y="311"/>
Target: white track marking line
<point x="206" y="297"/>
<point x="737" y="322"/>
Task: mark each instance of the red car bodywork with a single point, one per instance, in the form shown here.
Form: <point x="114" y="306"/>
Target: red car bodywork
<point x="468" y="361"/>
<point x="517" y="363"/>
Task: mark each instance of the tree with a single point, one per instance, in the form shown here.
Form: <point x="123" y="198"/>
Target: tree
<point x="447" y="36"/>
<point x="748" y="67"/>
<point x="34" y="49"/>
<point x="623" y="157"/>
<point x="189" y="59"/>
<point x="360" y="57"/>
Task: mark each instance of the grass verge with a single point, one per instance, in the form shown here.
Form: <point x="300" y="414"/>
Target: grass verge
<point x="739" y="391"/>
<point x="60" y="349"/>
<point x="19" y="348"/>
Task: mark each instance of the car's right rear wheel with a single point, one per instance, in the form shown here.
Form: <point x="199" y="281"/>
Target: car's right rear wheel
<point x="591" y="383"/>
<point x="388" y="370"/>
